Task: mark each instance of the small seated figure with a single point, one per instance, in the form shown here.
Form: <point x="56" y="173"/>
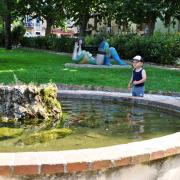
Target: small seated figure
<point x="102" y="58"/>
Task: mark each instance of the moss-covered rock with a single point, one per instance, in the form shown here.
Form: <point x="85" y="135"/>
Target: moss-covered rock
<point x="6" y="132"/>
<point x="52" y="105"/>
<point x="21" y="102"/>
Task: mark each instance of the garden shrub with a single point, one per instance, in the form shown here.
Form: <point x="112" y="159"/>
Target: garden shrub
<point x="119" y="41"/>
<point x="96" y="39"/>
<point x="159" y="48"/>
<point x="51" y="42"/>
<point x="90" y="40"/>
<point x="17" y="34"/>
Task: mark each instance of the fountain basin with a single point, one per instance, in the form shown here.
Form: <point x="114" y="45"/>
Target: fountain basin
<point x="115" y="158"/>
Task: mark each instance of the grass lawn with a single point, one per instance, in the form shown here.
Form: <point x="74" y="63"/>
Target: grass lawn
<point x="43" y="67"/>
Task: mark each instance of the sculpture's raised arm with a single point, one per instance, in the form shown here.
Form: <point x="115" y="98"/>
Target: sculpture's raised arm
<point x="74" y="55"/>
<point x="81" y="56"/>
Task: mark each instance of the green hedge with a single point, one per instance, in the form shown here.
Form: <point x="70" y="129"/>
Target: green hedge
<point x="159" y="48"/>
<point x="54" y="43"/>
<point x="17" y="34"/>
<point x="162" y="49"/>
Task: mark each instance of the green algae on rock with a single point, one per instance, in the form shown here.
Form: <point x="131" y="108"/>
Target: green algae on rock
<point x="44" y="136"/>
<point x="6" y="132"/>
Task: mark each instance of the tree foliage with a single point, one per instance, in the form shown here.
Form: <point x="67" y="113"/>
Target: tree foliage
<point x="82" y="10"/>
<point x="54" y="12"/>
<point x="146" y="11"/>
<point x="138" y="11"/>
<point x="171" y="10"/>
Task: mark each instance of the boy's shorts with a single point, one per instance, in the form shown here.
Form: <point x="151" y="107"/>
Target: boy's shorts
<point x="138" y="91"/>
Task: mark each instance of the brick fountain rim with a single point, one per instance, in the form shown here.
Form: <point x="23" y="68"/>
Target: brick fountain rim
<point x="94" y="159"/>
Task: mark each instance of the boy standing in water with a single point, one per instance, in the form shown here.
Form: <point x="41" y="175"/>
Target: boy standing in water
<point x="138" y="77"/>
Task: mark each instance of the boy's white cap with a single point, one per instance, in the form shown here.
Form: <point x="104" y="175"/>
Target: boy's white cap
<point x="138" y="58"/>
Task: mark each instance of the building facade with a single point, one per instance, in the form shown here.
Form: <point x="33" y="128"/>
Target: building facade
<point x="34" y="27"/>
<point x="132" y="28"/>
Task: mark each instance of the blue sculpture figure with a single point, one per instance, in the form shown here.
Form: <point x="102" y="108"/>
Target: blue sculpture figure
<point x="102" y="58"/>
<point x="109" y="52"/>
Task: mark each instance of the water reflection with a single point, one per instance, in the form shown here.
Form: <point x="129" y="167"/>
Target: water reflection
<point x="118" y="119"/>
<point x="136" y="120"/>
<point x="96" y="124"/>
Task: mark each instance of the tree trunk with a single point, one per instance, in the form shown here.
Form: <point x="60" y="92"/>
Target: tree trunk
<point x="109" y="28"/>
<point x="8" y="40"/>
<point x="167" y="22"/>
<point x="48" y="27"/>
<point x="95" y="23"/>
<point x="151" y="27"/>
<point x="83" y="25"/>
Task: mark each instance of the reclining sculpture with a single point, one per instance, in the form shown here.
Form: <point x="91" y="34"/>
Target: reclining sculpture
<point x="102" y="58"/>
